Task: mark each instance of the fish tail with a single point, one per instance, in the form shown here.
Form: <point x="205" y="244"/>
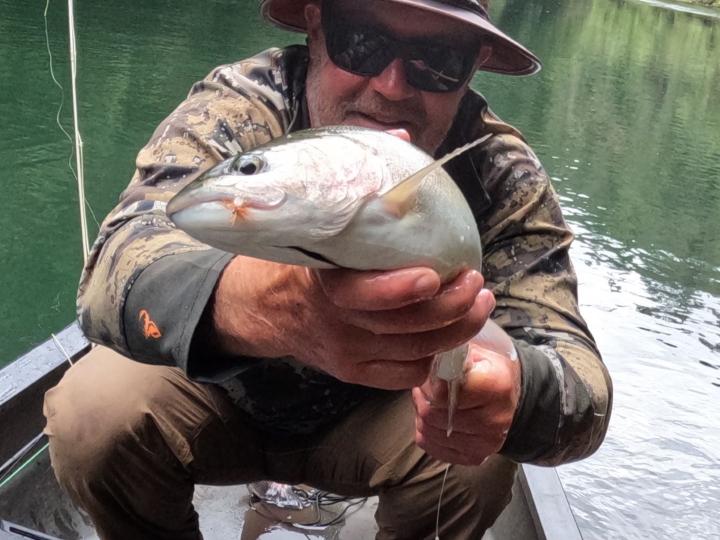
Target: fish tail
<point x="450" y="367"/>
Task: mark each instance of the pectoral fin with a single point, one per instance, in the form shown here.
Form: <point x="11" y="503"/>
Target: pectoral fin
<point x="403" y="197"/>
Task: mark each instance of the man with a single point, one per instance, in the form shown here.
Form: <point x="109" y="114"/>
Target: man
<point x="254" y="370"/>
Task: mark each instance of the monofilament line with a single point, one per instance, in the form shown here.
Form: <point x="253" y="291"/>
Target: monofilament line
<point x="437" y="515"/>
<point x="57" y="83"/>
<point x="62" y="349"/>
<point x="79" y="172"/>
<point x="78" y="139"/>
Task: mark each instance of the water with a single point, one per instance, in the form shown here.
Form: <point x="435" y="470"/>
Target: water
<point x="625" y="117"/>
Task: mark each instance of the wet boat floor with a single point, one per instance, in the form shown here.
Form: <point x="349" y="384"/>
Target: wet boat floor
<point x="229" y="512"/>
<point x="34" y="500"/>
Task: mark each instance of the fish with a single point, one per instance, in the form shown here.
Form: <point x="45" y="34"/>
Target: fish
<point x="340" y="197"/>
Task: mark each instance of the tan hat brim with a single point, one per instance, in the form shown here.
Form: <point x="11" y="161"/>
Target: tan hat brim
<point x="507" y="57"/>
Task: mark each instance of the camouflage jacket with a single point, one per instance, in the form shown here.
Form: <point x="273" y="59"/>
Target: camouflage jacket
<point x="147" y="284"/>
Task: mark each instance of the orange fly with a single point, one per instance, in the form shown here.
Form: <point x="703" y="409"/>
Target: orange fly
<point x="239" y="211"/>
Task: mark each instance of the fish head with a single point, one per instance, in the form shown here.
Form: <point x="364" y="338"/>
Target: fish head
<point x="278" y="201"/>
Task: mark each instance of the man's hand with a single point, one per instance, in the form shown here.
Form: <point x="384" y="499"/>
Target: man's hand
<point x="486" y="404"/>
<point x="379" y="329"/>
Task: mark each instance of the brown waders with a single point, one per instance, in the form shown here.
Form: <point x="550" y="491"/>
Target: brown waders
<point x="129" y="441"/>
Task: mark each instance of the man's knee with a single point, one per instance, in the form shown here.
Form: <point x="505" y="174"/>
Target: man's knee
<point x="106" y="405"/>
<point x="487" y="488"/>
<point x="473" y="497"/>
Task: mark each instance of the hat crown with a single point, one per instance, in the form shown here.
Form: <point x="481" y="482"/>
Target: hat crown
<point x="508" y="56"/>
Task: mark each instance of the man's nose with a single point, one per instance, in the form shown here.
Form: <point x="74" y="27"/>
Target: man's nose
<point x="392" y="82"/>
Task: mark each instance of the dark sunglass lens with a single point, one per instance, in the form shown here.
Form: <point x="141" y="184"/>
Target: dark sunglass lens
<point x="359" y="51"/>
<point x="367" y="51"/>
<point x="353" y="47"/>
<point x="438" y="69"/>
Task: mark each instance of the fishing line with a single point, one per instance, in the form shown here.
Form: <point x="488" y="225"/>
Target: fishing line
<point x="62" y="349"/>
<point x="437" y="515"/>
<point x="57" y="83"/>
<point x="79" y="174"/>
<point x="78" y="139"/>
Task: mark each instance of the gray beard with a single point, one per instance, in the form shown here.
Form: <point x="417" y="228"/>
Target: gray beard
<point x="367" y="102"/>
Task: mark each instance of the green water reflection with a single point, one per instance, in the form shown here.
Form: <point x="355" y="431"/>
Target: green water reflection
<point x="626" y="117"/>
<point x="137" y="61"/>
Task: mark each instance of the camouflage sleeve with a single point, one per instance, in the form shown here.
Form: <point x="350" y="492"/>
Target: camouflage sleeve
<point x="566" y="389"/>
<point x="146" y="283"/>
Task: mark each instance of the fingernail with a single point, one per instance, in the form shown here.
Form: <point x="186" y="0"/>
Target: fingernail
<point x="488" y="292"/>
<point x="481" y="364"/>
<point x="475" y="277"/>
<point x="426" y="285"/>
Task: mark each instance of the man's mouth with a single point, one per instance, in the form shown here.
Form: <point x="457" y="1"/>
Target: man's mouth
<point x="381" y="123"/>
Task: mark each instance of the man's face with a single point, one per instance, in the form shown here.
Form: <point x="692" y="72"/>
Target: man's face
<point x="385" y="101"/>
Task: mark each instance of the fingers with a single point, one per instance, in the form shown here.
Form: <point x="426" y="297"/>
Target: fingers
<point x="487" y="403"/>
<point x="416" y="345"/>
<point x="373" y="291"/>
<point x="460" y="448"/>
<point x="476" y="434"/>
<point x="391" y="375"/>
<point x="409" y="346"/>
<point x="495" y="417"/>
<point x="382" y="329"/>
<point x="452" y="303"/>
<point x="446" y="321"/>
<point x="378" y="304"/>
<point x="491" y="378"/>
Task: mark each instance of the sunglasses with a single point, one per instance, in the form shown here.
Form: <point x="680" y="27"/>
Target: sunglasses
<point x="366" y="50"/>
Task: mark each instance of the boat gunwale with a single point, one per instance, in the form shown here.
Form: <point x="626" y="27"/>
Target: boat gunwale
<point x="23" y="384"/>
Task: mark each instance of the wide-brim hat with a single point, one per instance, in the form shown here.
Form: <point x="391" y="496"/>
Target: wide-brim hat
<point x="507" y="56"/>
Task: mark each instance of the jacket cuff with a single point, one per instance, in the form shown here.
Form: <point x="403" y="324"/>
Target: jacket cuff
<point x="165" y="303"/>
<point x="534" y="430"/>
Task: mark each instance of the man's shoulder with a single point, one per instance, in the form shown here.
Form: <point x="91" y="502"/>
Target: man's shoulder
<point x="505" y="147"/>
<point x="476" y="119"/>
<point x="276" y="75"/>
<point x="498" y="169"/>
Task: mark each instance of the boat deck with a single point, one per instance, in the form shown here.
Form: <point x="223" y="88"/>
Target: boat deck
<point x="35" y="501"/>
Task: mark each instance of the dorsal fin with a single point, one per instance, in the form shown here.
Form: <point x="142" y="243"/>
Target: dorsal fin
<point x="401" y="198"/>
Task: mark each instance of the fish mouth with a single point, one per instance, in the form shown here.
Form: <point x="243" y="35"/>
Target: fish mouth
<point x="183" y="201"/>
<point x="313" y="255"/>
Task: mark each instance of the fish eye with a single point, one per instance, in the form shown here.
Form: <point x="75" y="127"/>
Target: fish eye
<point x="249" y="165"/>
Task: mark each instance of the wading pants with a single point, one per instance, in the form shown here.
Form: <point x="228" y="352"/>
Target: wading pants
<point x="129" y="441"/>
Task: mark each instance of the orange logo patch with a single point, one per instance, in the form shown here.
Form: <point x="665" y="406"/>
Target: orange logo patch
<point x="150" y="329"/>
